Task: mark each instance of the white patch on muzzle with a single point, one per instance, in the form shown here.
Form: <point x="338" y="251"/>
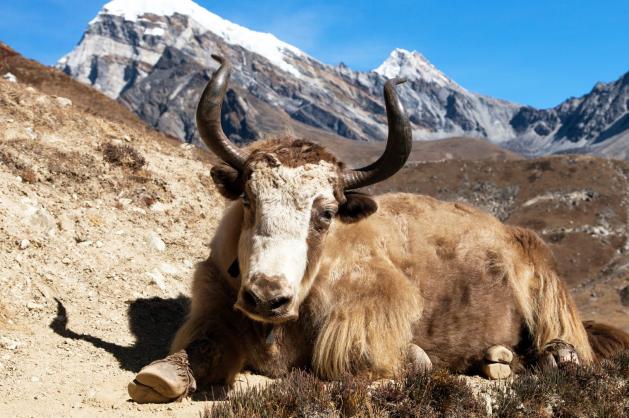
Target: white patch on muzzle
<point x="280" y="257"/>
<point x="276" y="245"/>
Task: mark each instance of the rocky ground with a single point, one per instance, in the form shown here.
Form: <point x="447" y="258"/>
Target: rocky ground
<point x="96" y="252"/>
<point x="102" y="221"/>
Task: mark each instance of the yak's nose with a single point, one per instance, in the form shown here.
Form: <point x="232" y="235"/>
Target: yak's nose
<point x="266" y="295"/>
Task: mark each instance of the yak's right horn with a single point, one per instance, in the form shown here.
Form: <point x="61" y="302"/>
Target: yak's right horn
<point x="209" y="118"/>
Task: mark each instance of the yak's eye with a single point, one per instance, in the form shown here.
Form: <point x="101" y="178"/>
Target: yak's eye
<point x="245" y="200"/>
<point x="327" y="214"/>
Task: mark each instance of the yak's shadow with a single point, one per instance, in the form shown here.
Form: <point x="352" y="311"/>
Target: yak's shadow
<point x="152" y="321"/>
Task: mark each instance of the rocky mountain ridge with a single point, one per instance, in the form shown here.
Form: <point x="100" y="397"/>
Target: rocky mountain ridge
<point x="597" y="122"/>
<point x="155" y="57"/>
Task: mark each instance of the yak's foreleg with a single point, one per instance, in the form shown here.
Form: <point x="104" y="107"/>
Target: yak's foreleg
<point x="206" y="349"/>
<point x="497" y="362"/>
<point x="165" y="380"/>
<point x="557" y="353"/>
<point x="206" y="358"/>
<point x="418" y="359"/>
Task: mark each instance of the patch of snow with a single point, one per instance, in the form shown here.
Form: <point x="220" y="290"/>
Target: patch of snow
<point x="264" y="44"/>
<point x="156" y="31"/>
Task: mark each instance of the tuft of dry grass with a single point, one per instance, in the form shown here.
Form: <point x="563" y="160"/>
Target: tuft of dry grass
<point x="600" y="390"/>
<point x="123" y="155"/>
<point x="18" y="167"/>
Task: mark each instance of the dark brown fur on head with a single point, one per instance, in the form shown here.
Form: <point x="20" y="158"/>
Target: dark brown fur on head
<point x="353" y="206"/>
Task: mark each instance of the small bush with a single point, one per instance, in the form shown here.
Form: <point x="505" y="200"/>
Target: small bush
<point x="123" y="155"/>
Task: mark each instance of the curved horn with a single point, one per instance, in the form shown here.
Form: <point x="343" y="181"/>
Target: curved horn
<point x="209" y="118"/>
<point x="399" y="143"/>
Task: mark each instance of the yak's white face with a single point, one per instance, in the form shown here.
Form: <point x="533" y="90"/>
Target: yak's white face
<point x="287" y="210"/>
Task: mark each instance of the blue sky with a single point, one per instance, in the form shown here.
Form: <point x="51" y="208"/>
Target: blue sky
<point x="531" y="52"/>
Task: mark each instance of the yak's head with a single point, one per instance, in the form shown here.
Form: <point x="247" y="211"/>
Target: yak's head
<point x="291" y="191"/>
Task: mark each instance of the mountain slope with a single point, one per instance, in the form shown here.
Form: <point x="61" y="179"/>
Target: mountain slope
<point x="597" y="122"/>
<point x="154" y="56"/>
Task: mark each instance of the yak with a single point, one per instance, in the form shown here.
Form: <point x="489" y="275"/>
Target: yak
<point x="306" y="272"/>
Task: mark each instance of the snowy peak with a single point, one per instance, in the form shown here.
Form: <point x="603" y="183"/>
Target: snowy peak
<point x="134" y="9"/>
<point x="265" y="44"/>
<point x="413" y="65"/>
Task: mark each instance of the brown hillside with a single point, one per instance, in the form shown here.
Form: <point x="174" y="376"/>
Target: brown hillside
<point x="101" y="224"/>
<point x="55" y="83"/>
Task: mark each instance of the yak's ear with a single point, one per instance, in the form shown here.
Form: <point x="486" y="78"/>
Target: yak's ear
<point x="357" y="206"/>
<point x="228" y="181"/>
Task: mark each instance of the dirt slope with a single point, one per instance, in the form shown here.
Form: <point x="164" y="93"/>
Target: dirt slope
<point x="53" y="82"/>
<point x="107" y="249"/>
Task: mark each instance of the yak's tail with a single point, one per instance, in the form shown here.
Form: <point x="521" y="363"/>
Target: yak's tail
<point x="605" y="340"/>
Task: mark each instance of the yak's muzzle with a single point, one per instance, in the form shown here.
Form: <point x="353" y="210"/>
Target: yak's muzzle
<point x="267" y="299"/>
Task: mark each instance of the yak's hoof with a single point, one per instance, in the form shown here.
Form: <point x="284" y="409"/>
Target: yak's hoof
<point x="418" y="359"/>
<point x="166" y="380"/>
<point x="558" y="353"/>
<point x="496" y="364"/>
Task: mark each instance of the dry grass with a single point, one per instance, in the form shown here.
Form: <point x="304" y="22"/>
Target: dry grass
<point x="17" y="167"/>
<point x="592" y="391"/>
<point x="123" y="155"/>
<point x="302" y="395"/>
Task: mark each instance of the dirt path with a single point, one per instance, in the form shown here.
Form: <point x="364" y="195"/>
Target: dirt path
<point x="96" y="256"/>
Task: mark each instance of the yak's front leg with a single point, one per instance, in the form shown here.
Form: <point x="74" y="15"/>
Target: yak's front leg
<point x="206" y="350"/>
<point x="165" y="380"/>
<point x="418" y="359"/>
<point x="174" y="377"/>
<point x="497" y="362"/>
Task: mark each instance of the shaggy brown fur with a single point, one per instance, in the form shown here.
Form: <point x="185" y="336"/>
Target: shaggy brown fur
<point x="606" y="341"/>
<point x="444" y="276"/>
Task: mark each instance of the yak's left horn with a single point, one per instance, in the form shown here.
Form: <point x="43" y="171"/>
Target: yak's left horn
<point x="209" y="118"/>
<point x="399" y="143"/>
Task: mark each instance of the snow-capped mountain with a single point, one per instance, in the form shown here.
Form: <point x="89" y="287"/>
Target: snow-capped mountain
<point x="413" y="65"/>
<point x="154" y="56"/>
